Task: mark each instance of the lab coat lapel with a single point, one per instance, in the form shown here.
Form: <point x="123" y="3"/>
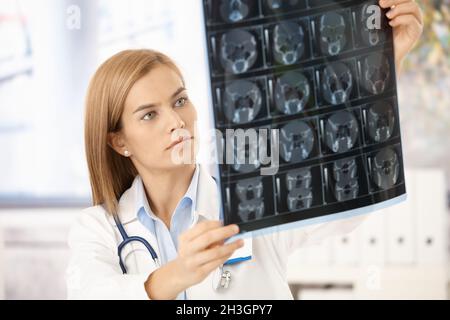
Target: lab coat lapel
<point x="207" y="197"/>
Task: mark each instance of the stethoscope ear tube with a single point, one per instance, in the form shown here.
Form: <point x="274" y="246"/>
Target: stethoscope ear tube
<point x="128" y="240"/>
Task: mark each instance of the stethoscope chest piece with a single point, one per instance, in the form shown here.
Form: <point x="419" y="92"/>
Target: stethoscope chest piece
<point x="225" y="279"/>
<point x="221" y="278"/>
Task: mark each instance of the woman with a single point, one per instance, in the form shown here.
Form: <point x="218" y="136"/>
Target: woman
<point x="136" y="102"/>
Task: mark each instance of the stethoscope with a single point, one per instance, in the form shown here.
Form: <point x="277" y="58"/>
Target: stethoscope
<point x="225" y="274"/>
<point x="127" y="240"/>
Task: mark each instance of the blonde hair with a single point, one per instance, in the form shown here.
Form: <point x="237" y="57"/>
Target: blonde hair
<point x="110" y="173"/>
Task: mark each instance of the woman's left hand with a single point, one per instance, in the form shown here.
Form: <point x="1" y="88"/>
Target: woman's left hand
<point x="406" y="18"/>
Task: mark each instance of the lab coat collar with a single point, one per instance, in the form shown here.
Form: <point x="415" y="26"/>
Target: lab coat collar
<point x="207" y="194"/>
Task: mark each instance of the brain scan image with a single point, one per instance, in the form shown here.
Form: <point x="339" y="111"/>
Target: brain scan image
<point x="380" y="121"/>
<point x="281" y="4"/>
<point x="332" y="33"/>
<point x="299" y="198"/>
<point x="341" y="131"/>
<point x="345" y="169"/>
<point x="288" y="42"/>
<point x="296" y="141"/>
<point x="346" y="189"/>
<point x="246" y="158"/>
<point x="249" y="189"/>
<point x="250" y="195"/>
<point x="372" y="36"/>
<point x="238" y="51"/>
<point x="376" y="73"/>
<point x="300" y="178"/>
<point x="251" y="210"/>
<point x="337" y="83"/>
<point x="242" y="101"/>
<point x="385" y="168"/>
<point x="292" y="92"/>
<point x="234" y="10"/>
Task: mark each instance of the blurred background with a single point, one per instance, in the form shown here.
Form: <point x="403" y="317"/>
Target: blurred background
<point x="50" y="49"/>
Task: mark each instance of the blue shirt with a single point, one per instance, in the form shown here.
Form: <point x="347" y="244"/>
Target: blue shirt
<point x="181" y="220"/>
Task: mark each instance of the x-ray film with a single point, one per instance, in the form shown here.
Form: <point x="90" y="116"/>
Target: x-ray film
<point x="304" y="96"/>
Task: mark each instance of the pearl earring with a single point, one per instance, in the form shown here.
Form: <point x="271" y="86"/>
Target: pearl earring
<point x="127" y="153"/>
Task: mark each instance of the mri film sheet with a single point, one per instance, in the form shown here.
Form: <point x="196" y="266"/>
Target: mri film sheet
<point x="312" y="85"/>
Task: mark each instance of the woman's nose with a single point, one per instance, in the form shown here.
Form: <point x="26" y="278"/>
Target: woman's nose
<point x="174" y="120"/>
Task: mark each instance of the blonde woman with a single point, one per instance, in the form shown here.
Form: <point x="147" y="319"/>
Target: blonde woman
<point x="136" y="101"/>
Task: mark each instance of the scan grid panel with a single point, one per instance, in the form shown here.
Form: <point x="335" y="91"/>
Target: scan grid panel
<point x="314" y="71"/>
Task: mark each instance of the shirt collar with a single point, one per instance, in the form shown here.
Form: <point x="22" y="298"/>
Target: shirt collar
<point x="142" y="206"/>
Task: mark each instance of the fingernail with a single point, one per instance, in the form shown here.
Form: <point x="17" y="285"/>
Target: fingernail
<point x="236" y="228"/>
<point x="389" y="14"/>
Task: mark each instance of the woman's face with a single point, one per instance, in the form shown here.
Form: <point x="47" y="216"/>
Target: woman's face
<point x="157" y="111"/>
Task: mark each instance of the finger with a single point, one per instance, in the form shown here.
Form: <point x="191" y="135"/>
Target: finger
<point x="212" y="236"/>
<point x="406" y="20"/>
<point x="199" y="229"/>
<point x="406" y="9"/>
<point x="217" y="253"/>
<point x="210" y="266"/>
<point x="390" y="3"/>
<point x="216" y="244"/>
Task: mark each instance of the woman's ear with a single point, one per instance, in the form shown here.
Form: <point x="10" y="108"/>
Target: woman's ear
<point x="117" y="142"/>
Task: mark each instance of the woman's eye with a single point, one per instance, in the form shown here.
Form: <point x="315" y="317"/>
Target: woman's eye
<point x="149" y="116"/>
<point x="181" y="102"/>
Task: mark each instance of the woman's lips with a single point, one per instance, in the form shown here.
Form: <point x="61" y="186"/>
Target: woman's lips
<point x="179" y="140"/>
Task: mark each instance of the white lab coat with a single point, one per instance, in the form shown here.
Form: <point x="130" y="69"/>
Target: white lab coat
<point x="94" y="271"/>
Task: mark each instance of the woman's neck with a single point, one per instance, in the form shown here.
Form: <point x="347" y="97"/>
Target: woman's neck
<point x="165" y="188"/>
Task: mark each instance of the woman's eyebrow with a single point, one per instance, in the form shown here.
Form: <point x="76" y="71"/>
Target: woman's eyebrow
<point x="152" y="105"/>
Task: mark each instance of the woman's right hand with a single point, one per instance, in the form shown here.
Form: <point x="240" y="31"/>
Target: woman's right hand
<point x="201" y="250"/>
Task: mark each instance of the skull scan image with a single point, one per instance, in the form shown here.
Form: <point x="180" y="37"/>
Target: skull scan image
<point x="345" y="169"/>
<point x="337" y="83"/>
<point x="332" y="33"/>
<point x="242" y="101"/>
<point x="238" y="51"/>
<point x="346" y="189"/>
<point x="250" y="194"/>
<point x="234" y="10"/>
<point x="296" y="141"/>
<point x="288" y="42"/>
<point x="380" y="121"/>
<point x="370" y="34"/>
<point x="385" y="168"/>
<point x="292" y="92"/>
<point x="299" y="198"/>
<point x="299" y="178"/>
<point x="341" y="131"/>
<point x="281" y="4"/>
<point x="249" y="189"/>
<point x="246" y="157"/>
<point x="251" y="210"/>
<point x="376" y="73"/>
